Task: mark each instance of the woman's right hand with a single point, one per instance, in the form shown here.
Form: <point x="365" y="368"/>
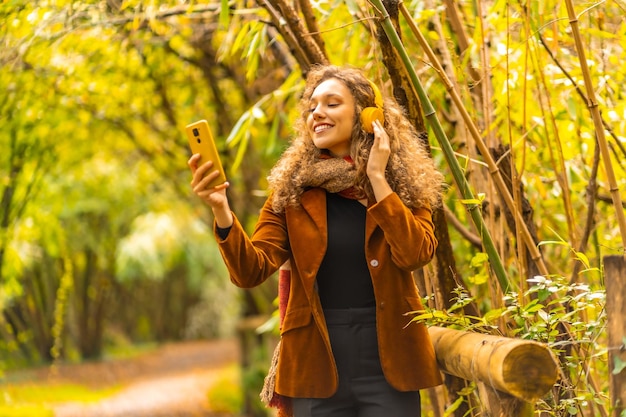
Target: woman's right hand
<point x="215" y="197"/>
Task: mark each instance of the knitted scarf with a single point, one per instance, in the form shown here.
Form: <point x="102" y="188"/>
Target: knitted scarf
<point x="335" y="175"/>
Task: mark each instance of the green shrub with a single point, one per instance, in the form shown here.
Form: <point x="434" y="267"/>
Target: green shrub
<point x="226" y="395"/>
<point x="568" y="317"/>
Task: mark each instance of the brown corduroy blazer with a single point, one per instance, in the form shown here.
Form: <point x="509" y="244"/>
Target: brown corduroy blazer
<point x="397" y="241"/>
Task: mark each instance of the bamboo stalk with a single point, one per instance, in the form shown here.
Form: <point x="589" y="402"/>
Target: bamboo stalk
<point x="444" y="142"/>
<point x="493" y="167"/>
<point x="516" y="182"/>
<point x="494" y="220"/>
<point x="592" y="104"/>
<point x="558" y="160"/>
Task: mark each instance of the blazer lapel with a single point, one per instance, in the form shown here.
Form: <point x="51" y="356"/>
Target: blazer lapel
<point x="370" y="225"/>
<point x="314" y="204"/>
<point x="309" y="237"/>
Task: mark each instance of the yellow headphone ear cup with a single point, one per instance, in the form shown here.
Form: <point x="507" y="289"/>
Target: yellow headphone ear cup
<point x="368" y="115"/>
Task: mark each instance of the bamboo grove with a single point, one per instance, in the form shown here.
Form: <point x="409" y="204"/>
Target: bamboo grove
<point x="522" y="104"/>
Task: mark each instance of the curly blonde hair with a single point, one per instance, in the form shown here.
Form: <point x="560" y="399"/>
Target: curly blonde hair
<point x="411" y="171"/>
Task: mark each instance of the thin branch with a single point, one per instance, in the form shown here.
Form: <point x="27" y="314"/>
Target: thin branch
<point x="339" y="27"/>
<point x="555" y="150"/>
<point x="605" y="198"/>
<point x="311" y="24"/>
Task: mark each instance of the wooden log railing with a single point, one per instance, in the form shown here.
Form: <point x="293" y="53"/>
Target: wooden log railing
<point x="522" y="369"/>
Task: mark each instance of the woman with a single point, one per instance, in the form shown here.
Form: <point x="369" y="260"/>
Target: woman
<point x="351" y="212"/>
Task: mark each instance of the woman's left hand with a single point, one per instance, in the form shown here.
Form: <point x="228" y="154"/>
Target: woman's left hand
<point x="379" y="154"/>
<point x="377" y="162"/>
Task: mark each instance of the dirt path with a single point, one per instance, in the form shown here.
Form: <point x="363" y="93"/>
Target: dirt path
<point x="172" y="381"/>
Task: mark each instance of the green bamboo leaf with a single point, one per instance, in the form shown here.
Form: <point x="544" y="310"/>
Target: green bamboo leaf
<point x="583" y="258"/>
<point x="253" y="66"/>
<point x="224" y="18"/>
<point x="256" y="43"/>
<point x="534" y="308"/>
<point x="241" y="37"/>
<point x="553" y="242"/>
<point x="454" y="406"/>
<point x="272" y="139"/>
<point x="480" y="197"/>
<point x="435" y="314"/>
<point x="271" y="325"/>
<point x="237" y="131"/>
<point x="470" y="201"/>
<point x="258" y="114"/>
<point x="492" y="315"/>
<point x="241" y="150"/>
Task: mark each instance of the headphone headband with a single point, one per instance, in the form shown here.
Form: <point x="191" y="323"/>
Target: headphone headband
<point x="378" y="98"/>
<point x="370" y="114"/>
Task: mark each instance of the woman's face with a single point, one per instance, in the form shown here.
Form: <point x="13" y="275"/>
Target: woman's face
<point x="331" y="117"/>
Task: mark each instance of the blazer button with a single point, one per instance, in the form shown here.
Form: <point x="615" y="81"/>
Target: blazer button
<point x="374" y="262"/>
<point x="382" y="305"/>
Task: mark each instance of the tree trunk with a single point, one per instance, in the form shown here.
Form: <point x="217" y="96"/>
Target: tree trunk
<point x="502" y="154"/>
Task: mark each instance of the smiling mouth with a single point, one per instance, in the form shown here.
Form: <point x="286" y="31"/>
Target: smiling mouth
<point x="321" y="128"/>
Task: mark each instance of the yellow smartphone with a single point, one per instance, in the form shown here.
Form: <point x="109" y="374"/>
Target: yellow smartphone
<point x="201" y="141"/>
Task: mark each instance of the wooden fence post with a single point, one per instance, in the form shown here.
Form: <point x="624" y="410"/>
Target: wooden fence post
<point x="615" y="283"/>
